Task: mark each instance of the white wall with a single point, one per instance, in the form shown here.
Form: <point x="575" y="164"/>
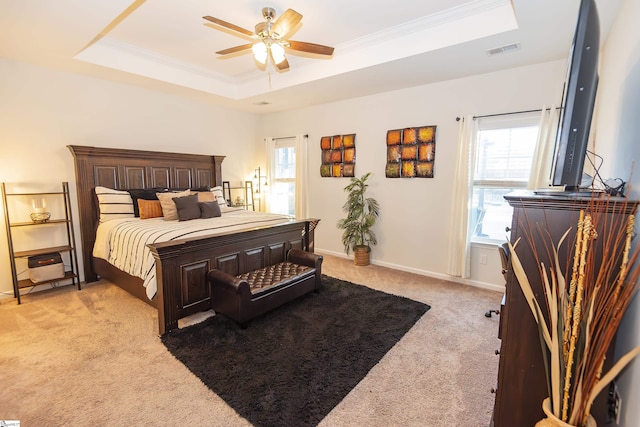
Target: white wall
<point x="414" y="220"/>
<point x="618" y="142"/>
<point x="42" y="111"/>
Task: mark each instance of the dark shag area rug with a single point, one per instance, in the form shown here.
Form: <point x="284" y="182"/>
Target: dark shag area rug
<point x="292" y="366"/>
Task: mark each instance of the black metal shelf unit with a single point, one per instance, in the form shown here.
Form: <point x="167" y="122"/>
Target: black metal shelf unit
<point x="71" y="272"/>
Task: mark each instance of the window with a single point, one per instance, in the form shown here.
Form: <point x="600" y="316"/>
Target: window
<point x="283" y="177"/>
<point x="504" y="152"/>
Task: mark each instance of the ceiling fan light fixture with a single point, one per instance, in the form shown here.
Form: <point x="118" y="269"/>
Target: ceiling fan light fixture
<point x="260" y="52"/>
<point x="277" y="52"/>
<point x="271" y="39"/>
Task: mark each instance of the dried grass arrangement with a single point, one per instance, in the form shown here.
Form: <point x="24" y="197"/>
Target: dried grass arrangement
<point x="584" y="306"/>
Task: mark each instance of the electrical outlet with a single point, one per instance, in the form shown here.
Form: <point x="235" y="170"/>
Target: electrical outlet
<point x="483" y="259"/>
<point x="617" y="406"/>
<point x="615" y="403"/>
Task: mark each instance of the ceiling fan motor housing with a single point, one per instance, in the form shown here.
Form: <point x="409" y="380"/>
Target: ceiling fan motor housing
<point x="269" y="13"/>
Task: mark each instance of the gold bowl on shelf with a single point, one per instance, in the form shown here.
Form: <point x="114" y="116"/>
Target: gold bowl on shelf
<point x="40" y="217"/>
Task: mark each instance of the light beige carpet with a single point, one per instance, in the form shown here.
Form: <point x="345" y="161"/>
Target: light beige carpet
<point x="93" y="357"/>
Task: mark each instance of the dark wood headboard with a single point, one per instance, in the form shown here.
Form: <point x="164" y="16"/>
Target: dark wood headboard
<point x="124" y="169"/>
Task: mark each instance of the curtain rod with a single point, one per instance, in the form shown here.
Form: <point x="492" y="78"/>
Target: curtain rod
<point x="506" y="114"/>
<point x="306" y="135"/>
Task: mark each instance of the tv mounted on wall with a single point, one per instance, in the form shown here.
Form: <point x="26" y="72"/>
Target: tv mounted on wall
<point x="578" y="100"/>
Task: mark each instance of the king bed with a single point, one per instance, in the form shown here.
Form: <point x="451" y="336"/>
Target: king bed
<point x="181" y="263"/>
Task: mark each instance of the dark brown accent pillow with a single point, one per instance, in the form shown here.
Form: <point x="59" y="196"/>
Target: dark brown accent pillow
<point x="209" y="209"/>
<point x="187" y="207"/>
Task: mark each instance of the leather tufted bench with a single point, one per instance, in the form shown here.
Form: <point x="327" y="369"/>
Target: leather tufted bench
<point x="246" y="296"/>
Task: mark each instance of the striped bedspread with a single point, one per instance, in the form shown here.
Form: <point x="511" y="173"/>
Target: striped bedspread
<point x="123" y="242"/>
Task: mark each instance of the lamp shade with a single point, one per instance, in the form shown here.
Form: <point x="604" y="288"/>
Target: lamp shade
<point x="260" y="52"/>
<point x="277" y="52"/>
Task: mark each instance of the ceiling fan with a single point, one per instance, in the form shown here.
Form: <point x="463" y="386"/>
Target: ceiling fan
<point x="270" y="38"/>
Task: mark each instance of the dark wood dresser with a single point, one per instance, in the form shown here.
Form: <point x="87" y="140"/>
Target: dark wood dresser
<point x="521" y="385"/>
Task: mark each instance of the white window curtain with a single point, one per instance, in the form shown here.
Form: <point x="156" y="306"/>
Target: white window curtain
<point x="459" y="236"/>
<point x="543" y="155"/>
<point x="302" y="177"/>
<point x="271" y="150"/>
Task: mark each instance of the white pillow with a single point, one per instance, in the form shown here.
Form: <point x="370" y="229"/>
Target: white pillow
<point x="114" y="204"/>
<point x="217" y="191"/>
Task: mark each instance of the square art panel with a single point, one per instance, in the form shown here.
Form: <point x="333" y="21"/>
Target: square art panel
<point x="349" y="155"/>
<point x="325" y="143"/>
<point x="394" y="137"/>
<point x="349" y="169"/>
<point x="393" y="153"/>
<point x="392" y="170"/>
<point x="349" y="141"/>
<point x="411" y="152"/>
<point x="338" y="154"/>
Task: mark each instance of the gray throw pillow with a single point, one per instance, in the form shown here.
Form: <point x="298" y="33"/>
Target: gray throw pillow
<point x="209" y="209"/>
<point x="187" y="207"/>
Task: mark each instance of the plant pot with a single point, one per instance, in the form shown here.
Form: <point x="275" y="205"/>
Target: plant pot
<point x="361" y="255"/>
<point x="553" y="421"/>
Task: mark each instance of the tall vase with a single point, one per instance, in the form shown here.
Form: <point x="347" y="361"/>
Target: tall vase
<point x="553" y="421"/>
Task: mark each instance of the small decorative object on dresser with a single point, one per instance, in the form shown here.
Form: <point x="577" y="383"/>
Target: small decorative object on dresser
<point x="362" y="213"/>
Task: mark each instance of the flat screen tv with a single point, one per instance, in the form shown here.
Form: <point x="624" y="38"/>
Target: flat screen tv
<point x="578" y="100"/>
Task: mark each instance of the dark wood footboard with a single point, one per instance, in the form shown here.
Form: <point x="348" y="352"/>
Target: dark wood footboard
<point x="182" y="265"/>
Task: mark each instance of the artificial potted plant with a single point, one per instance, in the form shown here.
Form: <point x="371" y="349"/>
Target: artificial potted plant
<point x="362" y="213"/>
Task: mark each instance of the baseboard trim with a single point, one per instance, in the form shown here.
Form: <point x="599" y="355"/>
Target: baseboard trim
<point x="468" y="282"/>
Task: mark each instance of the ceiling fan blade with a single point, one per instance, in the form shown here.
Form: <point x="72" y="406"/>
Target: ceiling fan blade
<point x="229" y="26"/>
<point x="283" y="66"/>
<point x="316" y="49"/>
<point x="285" y="23"/>
<point x="235" y="49"/>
